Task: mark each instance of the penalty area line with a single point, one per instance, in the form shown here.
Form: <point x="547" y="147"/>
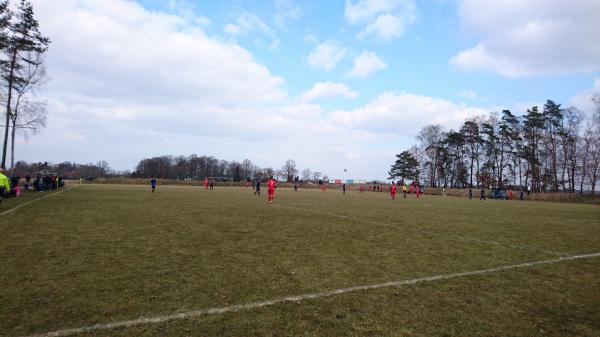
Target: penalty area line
<point x="303" y="297"/>
<point x="34" y="200"/>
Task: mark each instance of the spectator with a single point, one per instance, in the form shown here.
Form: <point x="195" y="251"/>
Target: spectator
<point x="4" y="186"/>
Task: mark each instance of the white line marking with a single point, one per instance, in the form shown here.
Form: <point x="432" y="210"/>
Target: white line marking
<point x="415" y="230"/>
<point x="299" y="298"/>
<point x="34" y="200"/>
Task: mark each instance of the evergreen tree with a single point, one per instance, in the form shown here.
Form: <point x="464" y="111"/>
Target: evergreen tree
<point x="470" y="132"/>
<point x="405" y="167"/>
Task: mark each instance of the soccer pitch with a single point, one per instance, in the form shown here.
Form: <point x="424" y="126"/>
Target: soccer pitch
<point x="98" y="260"/>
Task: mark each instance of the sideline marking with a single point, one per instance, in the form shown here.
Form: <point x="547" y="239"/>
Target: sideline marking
<point x="302" y="297"/>
<point x="414" y="230"/>
<point x="36" y="199"/>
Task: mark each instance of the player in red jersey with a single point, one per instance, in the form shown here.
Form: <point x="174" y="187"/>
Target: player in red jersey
<point x="418" y="190"/>
<point x="206" y="183"/>
<point x="271" y="185"/>
<point x="393" y="191"/>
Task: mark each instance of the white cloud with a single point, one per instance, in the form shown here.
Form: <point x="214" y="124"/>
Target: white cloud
<point x="311" y="39"/>
<point x="232" y="29"/>
<point x="328" y="89"/>
<point x="107" y="53"/>
<point x="386" y="19"/>
<point x="405" y="113"/>
<point x="583" y="100"/>
<point x="285" y="10"/>
<point x="246" y="22"/>
<point x="528" y="38"/>
<point x="326" y="55"/>
<point x="468" y="94"/>
<point x="366" y="64"/>
<point x="185" y="9"/>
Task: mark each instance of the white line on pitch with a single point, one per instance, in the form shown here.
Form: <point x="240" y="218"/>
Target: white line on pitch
<point x="302" y="297"/>
<point x="34" y="200"/>
<point x="448" y="236"/>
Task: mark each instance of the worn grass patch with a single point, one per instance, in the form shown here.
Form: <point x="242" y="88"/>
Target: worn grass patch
<point x="104" y="253"/>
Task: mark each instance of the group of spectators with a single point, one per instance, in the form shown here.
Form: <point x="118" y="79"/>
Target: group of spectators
<point x="42" y="181"/>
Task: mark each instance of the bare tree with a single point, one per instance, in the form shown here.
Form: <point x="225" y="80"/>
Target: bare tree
<point x="593" y="140"/>
<point x="306" y="174"/>
<point x="103" y="168"/>
<point x="29" y="113"/>
<point x="316" y="175"/>
<point x="247" y="169"/>
<point x="269" y="172"/>
<point x="289" y="170"/>
<point x="569" y="143"/>
<point x="430" y="138"/>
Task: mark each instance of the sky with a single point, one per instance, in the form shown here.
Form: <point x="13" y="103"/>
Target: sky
<point x="333" y="84"/>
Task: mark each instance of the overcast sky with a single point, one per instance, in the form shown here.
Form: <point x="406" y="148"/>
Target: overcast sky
<point x="332" y="84"/>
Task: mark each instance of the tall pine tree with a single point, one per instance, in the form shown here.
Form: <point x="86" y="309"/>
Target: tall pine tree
<point x="23" y="38"/>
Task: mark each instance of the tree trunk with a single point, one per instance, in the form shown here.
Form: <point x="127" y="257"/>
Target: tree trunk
<point x="13" y="62"/>
<point x="12" y="144"/>
<point x="584" y="166"/>
<point x="471" y="172"/>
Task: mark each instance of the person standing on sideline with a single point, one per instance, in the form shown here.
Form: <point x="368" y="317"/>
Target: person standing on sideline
<point x="153" y="183"/>
<point x="257" y="187"/>
<point x="4" y="185"/>
<point x="271" y="185"/>
<point x="482" y="196"/>
<point x="393" y="191"/>
<point x="470" y="193"/>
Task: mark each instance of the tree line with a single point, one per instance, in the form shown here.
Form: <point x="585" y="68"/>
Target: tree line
<point x="196" y="167"/>
<point x="191" y="167"/>
<point x="22" y="71"/>
<point x="555" y="149"/>
<point x="68" y="170"/>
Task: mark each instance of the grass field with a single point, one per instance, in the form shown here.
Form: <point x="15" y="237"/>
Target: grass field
<point x="97" y="254"/>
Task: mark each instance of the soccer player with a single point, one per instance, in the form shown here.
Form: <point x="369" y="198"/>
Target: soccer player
<point x="510" y="194"/>
<point x="295" y="186"/>
<point x="271" y="185"/>
<point x="482" y="197"/>
<point x="211" y="186"/>
<point x="153" y="183"/>
<point x="343" y="188"/>
<point x="404" y="188"/>
<point x="418" y="190"/>
<point x="470" y="193"/>
<point x="257" y="189"/>
<point x="205" y="184"/>
<point x="393" y="191"/>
